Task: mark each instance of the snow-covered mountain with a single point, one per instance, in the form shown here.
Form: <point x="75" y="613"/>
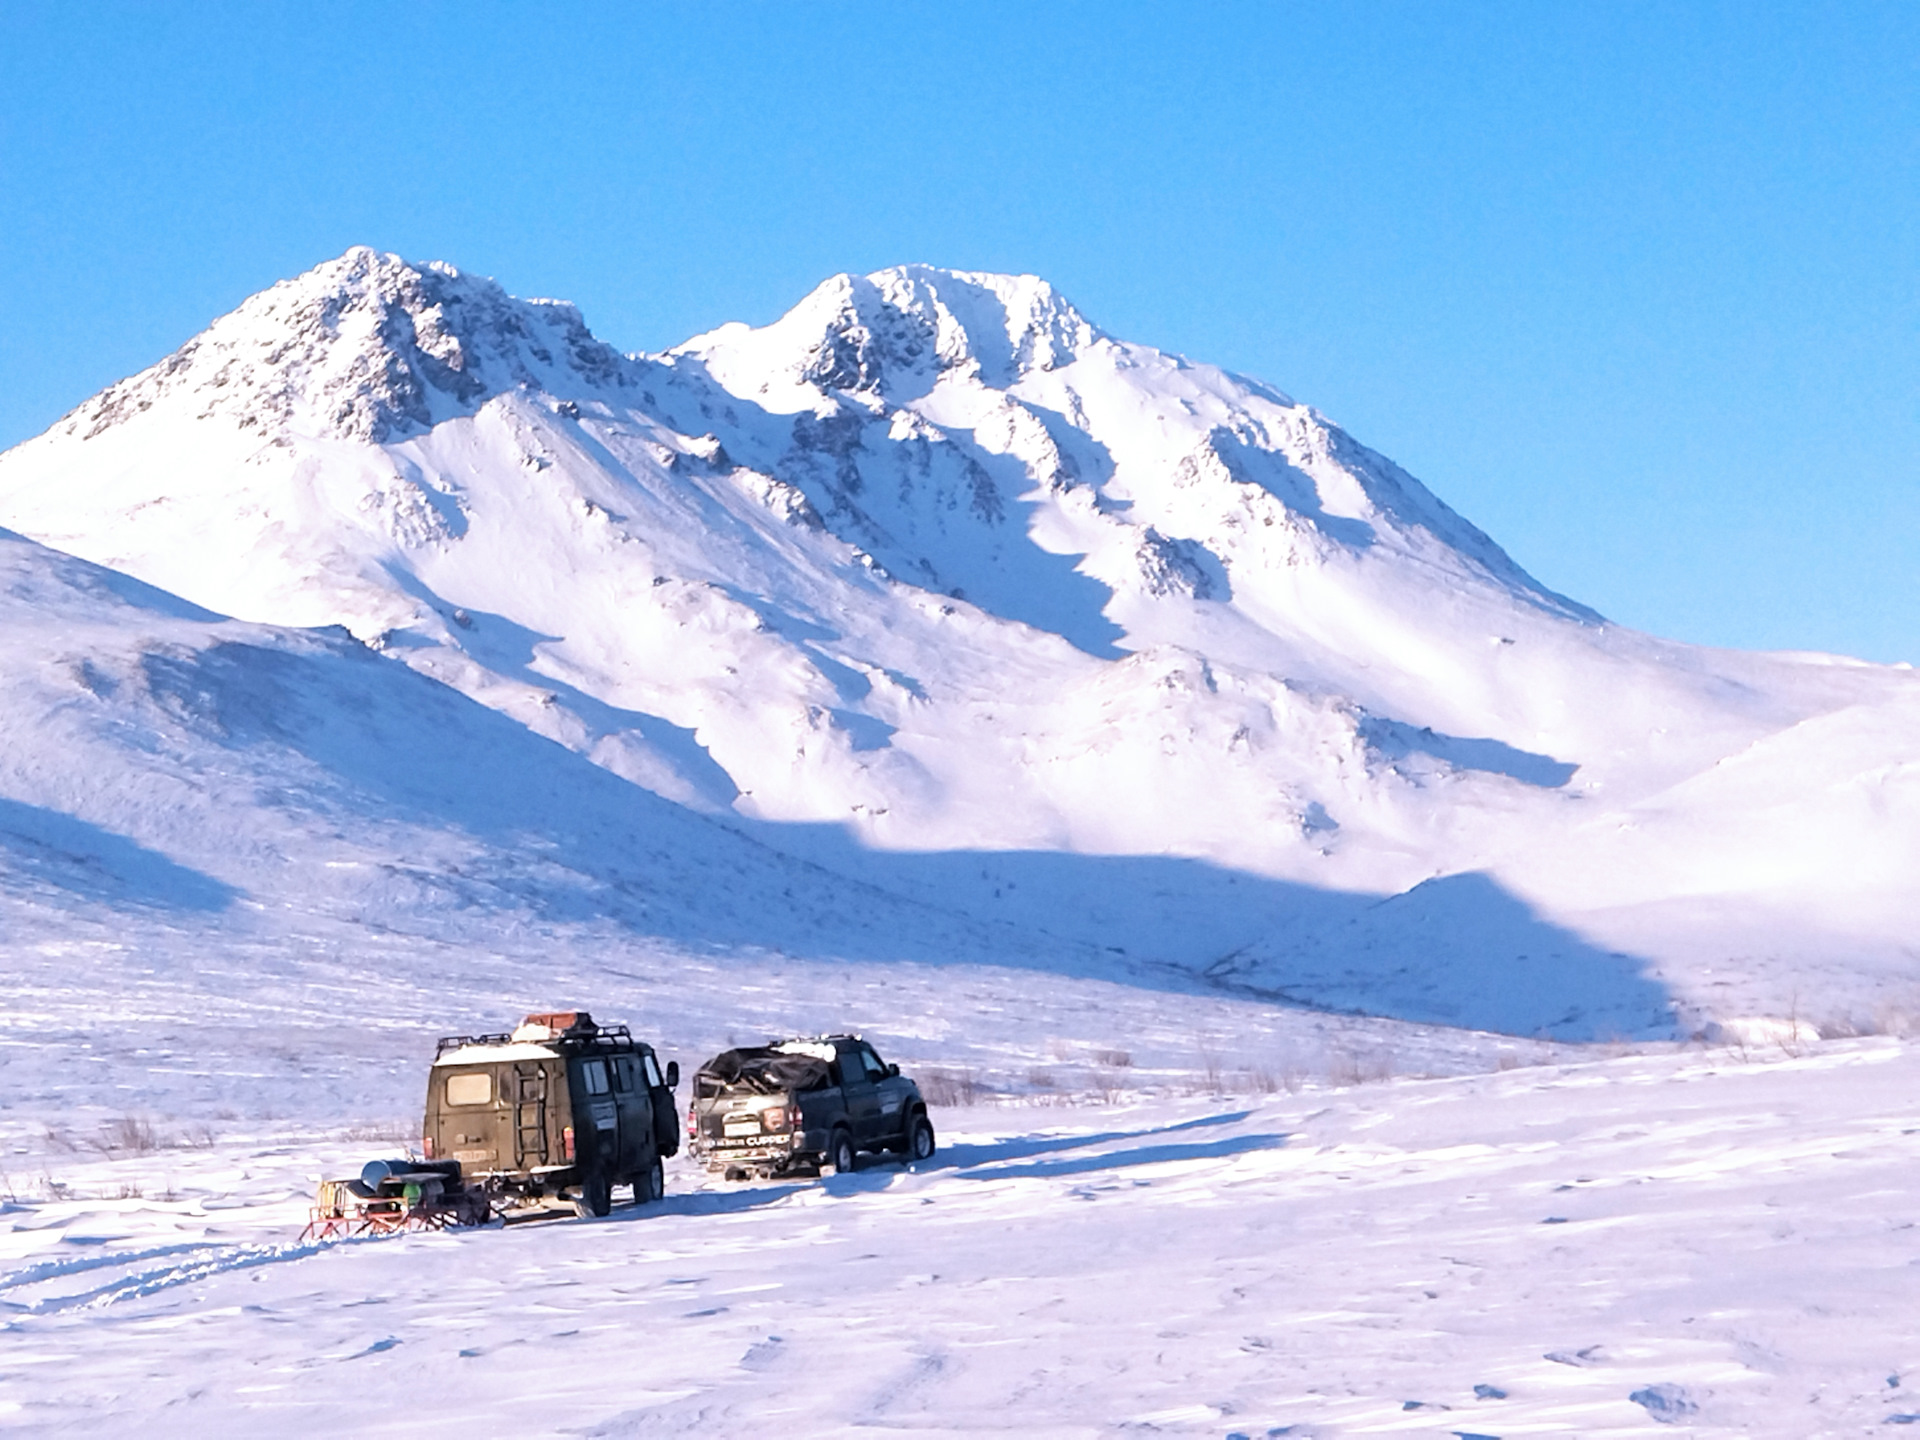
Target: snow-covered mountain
<point x="934" y="584"/>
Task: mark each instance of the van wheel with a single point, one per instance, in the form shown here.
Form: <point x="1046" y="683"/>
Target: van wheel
<point x="650" y="1184"/>
<point x="840" y="1153"/>
<point x="596" y="1196"/>
<point x="920" y="1139"/>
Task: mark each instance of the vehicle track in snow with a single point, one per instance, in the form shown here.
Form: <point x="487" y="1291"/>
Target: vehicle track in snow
<point x="126" y="1275"/>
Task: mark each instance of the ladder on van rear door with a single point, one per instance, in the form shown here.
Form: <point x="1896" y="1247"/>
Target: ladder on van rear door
<point x="529" y="1116"/>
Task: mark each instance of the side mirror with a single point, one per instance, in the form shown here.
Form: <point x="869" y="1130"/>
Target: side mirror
<point x="673" y="1074"/>
<point x="893" y="1072"/>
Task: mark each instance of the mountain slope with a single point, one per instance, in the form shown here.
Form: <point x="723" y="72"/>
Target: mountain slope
<point x="160" y="760"/>
<point x="932" y="564"/>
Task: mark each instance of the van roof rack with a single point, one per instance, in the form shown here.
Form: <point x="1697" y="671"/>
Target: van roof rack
<point x="459" y="1042"/>
<point x="581" y="1037"/>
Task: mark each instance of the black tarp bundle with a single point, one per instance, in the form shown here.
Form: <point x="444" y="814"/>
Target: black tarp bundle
<point x="764" y="1070"/>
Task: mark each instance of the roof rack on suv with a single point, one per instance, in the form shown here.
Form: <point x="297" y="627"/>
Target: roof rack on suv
<point x="813" y="1039"/>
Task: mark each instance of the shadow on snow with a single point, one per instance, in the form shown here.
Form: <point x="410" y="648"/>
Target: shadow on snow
<point x="570" y="842"/>
<point x="966" y="1154"/>
<point x="1222" y="1149"/>
<point x="68" y="854"/>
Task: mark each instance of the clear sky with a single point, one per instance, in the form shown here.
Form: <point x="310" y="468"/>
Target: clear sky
<point x="1633" y="286"/>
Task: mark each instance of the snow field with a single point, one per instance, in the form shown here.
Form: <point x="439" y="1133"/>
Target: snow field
<point x="1730" y="1239"/>
<point x="322" y="1024"/>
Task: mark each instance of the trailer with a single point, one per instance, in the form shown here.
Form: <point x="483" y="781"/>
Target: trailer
<point x="389" y="1196"/>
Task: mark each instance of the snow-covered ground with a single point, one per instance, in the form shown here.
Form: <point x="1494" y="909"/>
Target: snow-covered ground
<point x="1703" y="1241"/>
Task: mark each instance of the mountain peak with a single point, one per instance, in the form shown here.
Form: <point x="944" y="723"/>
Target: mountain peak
<point x="367" y="346"/>
<point x="898" y="331"/>
<point x="1006" y="324"/>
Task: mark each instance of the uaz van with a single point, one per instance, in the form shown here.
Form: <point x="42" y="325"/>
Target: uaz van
<point x="561" y="1108"/>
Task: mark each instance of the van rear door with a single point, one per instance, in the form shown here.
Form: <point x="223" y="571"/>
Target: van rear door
<point x="462" y="1117"/>
<point x="666" y="1118"/>
<point x="636" y="1113"/>
<point x="596" y="1118"/>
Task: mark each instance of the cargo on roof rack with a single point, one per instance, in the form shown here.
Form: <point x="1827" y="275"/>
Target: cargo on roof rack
<point x="564" y="1030"/>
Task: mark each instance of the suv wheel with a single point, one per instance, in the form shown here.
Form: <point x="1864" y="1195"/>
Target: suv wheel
<point x="840" y="1153"/>
<point x="596" y="1196"/>
<point x="920" y="1139"/>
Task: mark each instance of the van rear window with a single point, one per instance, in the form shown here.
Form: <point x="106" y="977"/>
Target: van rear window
<point x="470" y="1089"/>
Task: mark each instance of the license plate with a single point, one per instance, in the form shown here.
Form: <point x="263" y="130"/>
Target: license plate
<point x="737" y="1128"/>
<point x="468" y="1155"/>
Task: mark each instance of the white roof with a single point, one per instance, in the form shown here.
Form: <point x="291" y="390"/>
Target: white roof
<point x="819" y="1049"/>
<point x="487" y="1054"/>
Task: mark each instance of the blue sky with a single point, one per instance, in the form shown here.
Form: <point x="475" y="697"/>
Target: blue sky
<point x="1630" y="285"/>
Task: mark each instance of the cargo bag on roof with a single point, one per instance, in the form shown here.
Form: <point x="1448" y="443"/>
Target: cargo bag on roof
<point x="765" y="1070"/>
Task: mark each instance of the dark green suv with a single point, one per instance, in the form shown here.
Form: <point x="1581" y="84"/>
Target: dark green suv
<point x="793" y="1106"/>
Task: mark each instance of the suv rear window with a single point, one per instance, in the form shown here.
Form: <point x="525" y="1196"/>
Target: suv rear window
<point x="470" y="1089"/>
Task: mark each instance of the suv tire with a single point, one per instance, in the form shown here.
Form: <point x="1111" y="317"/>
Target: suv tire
<point x="840" y="1153"/>
<point x="919" y="1140"/>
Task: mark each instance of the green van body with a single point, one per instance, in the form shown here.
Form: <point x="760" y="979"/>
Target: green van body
<point x="553" y="1111"/>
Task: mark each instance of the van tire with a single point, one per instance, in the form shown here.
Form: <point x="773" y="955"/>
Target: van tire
<point x="650" y="1184"/>
<point x="920" y="1142"/>
<point x="840" y="1153"/>
<point x="596" y="1196"/>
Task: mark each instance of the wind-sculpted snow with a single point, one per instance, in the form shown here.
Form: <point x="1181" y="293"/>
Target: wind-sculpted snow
<point x="931" y="570"/>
